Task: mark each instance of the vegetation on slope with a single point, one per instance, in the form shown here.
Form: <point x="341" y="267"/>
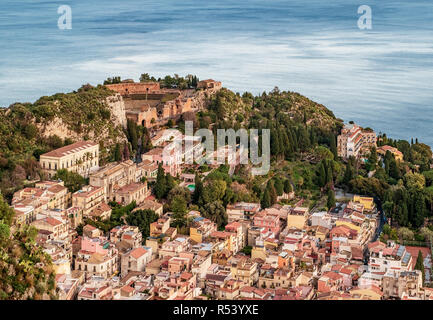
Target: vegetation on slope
<point x="26" y="272"/>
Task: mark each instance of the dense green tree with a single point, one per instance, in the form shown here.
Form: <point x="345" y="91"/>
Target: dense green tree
<point x="287" y="186"/>
<point x="132" y="134"/>
<point x="160" y="185"/>
<point x="265" y="201"/>
<point x="348" y="173"/>
<point x="321" y="175"/>
<point x="179" y="191"/>
<point x="117" y="153"/>
<point x="216" y="212"/>
<point x="330" y="203"/>
<point x="372" y="159"/>
<point x="333" y="146"/>
<point x="142" y="219"/>
<point x="198" y="190"/>
<point x="420" y="264"/>
<point x="279" y="186"/>
<point x="72" y="180"/>
<point x="179" y="209"/>
<point x="6" y="212"/>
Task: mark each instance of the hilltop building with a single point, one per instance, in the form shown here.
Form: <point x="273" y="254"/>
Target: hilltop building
<point x="354" y="141"/>
<point x="81" y="157"/>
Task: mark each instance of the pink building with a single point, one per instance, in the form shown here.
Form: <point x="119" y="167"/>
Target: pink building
<point x="93" y="245"/>
<point x="268" y="220"/>
<point x="170" y="162"/>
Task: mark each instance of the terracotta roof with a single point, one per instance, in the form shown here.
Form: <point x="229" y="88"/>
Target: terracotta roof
<point x="52" y="221"/>
<point x="138" y="252"/>
<point x="72" y="148"/>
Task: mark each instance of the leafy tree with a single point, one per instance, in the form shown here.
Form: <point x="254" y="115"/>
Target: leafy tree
<point x="142" y="219"/>
<point x="72" y="180"/>
<point x="348" y="174"/>
<point x="216" y="212"/>
<point x="179" y="191"/>
<point x="405" y="233"/>
<point x="372" y="159"/>
<point x="179" y="208"/>
<point x="333" y="146"/>
<point x="169" y="183"/>
<point x="414" y="181"/>
<point x="6" y="212"/>
<point x="321" y="175"/>
<point x="287" y="186"/>
<point x="145" y="77"/>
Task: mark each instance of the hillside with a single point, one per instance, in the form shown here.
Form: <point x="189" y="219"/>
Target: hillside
<point x="230" y="110"/>
<point x="30" y="129"/>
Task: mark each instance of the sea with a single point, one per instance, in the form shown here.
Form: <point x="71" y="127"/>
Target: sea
<point x="380" y="76"/>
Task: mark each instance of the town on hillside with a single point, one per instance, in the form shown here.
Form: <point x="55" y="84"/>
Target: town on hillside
<point x="147" y="227"/>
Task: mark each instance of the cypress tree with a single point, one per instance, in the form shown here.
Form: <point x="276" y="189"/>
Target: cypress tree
<point x="333" y="146"/>
<point x="287" y="186"/>
<point x="322" y="175"/>
<point x="198" y="189"/>
<point x="126" y="155"/>
<point x="348" y="174"/>
<point x="272" y="192"/>
<point x="329" y="175"/>
<point x="117" y="154"/>
<point x="266" y="199"/>
<point x="160" y="185"/>
<point x="420" y="265"/>
<point x="330" y="203"/>
<point x="279" y="186"/>
<point x="132" y="134"/>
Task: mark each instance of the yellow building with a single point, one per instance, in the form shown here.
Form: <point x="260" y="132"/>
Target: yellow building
<point x="367" y="202"/>
<point x="347" y="224"/>
<point x="297" y="217"/>
<point x="398" y="155"/>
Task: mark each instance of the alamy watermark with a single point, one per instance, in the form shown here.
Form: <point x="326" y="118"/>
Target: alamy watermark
<point x="242" y="147"/>
<point x="65" y="19"/>
<point x="365" y="21"/>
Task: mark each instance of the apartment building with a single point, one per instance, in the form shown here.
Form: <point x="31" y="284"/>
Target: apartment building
<point x="242" y="211"/>
<point x="88" y="198"/>
<point x="170" y="159"/>
<point x="201" y="228"/>
<point x="97" y="257"/>
<point x="135" y="260"/>
<point x="114" y="176"/>
<point x="398" y="284"/>
<point x="391" y="256"/>
<point x="129" y="234"/>
<point x="57" y="227"/>
<point x="137" y="192"/>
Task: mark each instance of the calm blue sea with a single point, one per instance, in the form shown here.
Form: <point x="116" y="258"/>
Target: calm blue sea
<point x="382" y="78"/>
